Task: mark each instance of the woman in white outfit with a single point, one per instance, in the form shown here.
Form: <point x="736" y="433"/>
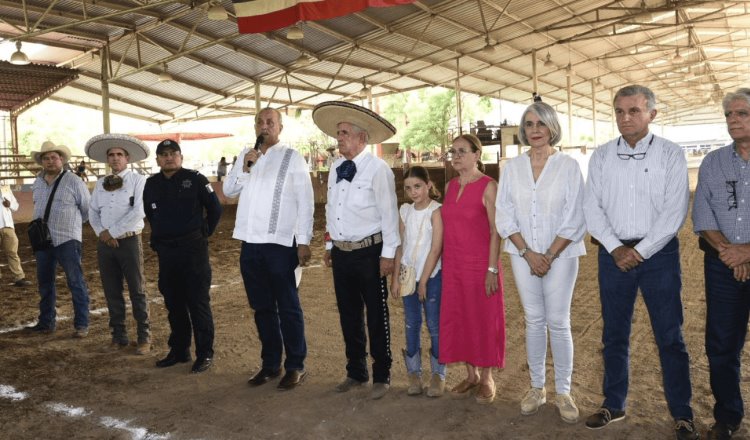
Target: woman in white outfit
<point x="539" y="214"/>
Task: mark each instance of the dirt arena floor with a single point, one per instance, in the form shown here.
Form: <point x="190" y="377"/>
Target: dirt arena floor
<point x="56" y="387"/>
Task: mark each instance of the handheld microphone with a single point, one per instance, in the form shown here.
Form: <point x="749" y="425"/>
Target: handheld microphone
<point x="258" y="143"/>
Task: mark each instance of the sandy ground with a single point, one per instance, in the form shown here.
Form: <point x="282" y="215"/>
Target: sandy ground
<point x="56" y="387"/>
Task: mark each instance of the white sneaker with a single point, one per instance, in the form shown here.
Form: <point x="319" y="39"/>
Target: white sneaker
<point x="533" y="399"/>
<point x="567" y="407"/>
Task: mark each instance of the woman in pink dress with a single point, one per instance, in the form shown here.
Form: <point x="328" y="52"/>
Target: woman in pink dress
<point x="472" y="313"/>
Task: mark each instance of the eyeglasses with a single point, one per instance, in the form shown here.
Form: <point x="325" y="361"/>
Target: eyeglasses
<point x="458" y="153"/>
<point x="634" y="156"/>
<point x="732" y="190"/>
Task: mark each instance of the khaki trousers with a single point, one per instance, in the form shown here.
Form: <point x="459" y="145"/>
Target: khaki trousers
<point x="9" y="244"/>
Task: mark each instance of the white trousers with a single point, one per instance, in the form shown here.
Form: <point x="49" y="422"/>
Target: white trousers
<point x="546" y="305"/>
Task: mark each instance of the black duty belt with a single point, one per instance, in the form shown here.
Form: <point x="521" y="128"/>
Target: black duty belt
<point x="628" y="243"/>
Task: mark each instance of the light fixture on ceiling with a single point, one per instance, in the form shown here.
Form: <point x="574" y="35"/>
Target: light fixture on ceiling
<point x="548" y="61"/>
<point x="598" y="82"/>
<point x="677" y="57"/>
<point x="488" y="49"/>
<point x="569" y="70"/>
<point x="217" y="12"/>
<point x="19" y="57"/>
<point x="302" y="61"/>
<point x="295" y="33"/>
<point x="364" y="91"/>
<point x="164" y="76"/>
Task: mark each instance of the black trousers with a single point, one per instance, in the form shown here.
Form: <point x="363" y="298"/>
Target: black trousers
<point x="359" y="289"/>
<point x="184" y="281"/>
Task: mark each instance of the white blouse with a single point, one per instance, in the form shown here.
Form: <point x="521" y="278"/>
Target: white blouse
<point x="542" y="210"/>
<point x="417" y="245"/>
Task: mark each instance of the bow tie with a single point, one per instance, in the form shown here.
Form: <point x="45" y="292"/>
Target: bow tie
<point x="346" y="170"/>
<point x="112" y="182"/>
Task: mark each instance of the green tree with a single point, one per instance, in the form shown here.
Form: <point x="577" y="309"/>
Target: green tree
<point x="428" y="128"/>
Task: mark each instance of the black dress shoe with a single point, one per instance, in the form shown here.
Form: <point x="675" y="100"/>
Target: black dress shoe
<point x="263" y="376"/>
<point x="201" y="364"/>
<point x="173" y="359"/>
<point x="291" y="379"/>
<point x="40" y="328"/>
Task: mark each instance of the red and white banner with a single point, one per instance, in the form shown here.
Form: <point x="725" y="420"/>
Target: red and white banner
<point x="255" y="16"/>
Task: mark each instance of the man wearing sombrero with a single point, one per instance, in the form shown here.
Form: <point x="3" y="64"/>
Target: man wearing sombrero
<point x="362" y="220"/>
<point x="116" y="215"/>
<point x="68" y="211"/>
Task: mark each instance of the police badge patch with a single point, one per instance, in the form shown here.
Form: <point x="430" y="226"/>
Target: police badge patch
<point x="187" y="183"/>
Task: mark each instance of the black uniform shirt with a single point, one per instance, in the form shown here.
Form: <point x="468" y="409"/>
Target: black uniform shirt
<point x="174" y="206"/>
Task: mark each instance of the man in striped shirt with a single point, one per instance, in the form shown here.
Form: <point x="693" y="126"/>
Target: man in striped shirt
<point x="635" y="202"/>
<point x="720" y="216"/>
<point x="68" y="211"/>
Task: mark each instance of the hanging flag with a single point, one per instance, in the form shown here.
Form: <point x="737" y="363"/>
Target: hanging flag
<point x="255" y="16"/>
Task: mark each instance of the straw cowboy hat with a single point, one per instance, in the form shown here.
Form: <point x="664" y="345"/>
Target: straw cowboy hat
<point x="98" y="146"/>
<point x="48" y="146"/>
<point x="327" y="115"/>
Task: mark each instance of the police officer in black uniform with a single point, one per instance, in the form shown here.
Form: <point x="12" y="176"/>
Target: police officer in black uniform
<point x="183" y="211"/>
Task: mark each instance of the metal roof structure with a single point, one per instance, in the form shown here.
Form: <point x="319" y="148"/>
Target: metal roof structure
<point x="23" y="86"/>
<point x="689" y="52"/>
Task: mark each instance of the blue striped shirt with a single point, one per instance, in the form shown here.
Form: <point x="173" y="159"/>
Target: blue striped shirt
<point x="636" y="199"/>
<point x="70" y="206"/>
<point x="722" y="197"/>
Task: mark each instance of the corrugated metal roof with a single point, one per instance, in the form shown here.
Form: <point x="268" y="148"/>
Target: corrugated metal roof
<point x="398" y="48"/>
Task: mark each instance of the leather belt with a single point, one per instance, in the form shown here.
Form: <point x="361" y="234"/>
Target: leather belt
<point x="628" y="243"/>
<point x="129" y="234"/>
<point x="348" y="246"/>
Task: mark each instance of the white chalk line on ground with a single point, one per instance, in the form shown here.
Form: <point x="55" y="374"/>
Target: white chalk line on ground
<point x="63" y="409"/>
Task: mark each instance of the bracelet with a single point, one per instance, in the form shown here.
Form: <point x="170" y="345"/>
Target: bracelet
<point x="548" y="254"/>
<point x="493" y="270"/>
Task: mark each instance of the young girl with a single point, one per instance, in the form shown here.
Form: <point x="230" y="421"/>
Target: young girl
<point x="421" y="228"/>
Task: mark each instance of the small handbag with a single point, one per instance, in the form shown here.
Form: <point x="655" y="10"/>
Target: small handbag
<point x="407" y="275"/>
<point x="38" y="229"/>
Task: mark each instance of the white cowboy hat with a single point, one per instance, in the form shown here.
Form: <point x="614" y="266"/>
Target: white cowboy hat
<point x="48" y="146"/>
<point x="327" y="116"/>
<point x="98" y="146"/>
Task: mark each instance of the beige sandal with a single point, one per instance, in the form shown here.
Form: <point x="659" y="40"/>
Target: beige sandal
<point x="463" y="389"/>
<point x="485" y="394"/>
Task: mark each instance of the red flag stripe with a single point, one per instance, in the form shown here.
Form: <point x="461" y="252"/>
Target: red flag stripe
<point x="301" y="10"/>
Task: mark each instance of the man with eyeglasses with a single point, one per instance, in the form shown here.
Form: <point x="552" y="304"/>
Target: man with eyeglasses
<point x="635" y="202"/>
<point x="721" y="214"/>
<point x="183" y="212"/>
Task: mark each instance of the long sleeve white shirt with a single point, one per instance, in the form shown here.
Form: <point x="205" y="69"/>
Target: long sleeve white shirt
<point x="119" y="211"/>
<point x="276" y="198"/>
<point x="542" y="210"/>
<point x="6" y="219"/>
<point x="366" y="205"/>
<point x="637" y="199"/>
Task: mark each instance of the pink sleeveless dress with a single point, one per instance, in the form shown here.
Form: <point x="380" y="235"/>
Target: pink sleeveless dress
<point x="472" y="326"/>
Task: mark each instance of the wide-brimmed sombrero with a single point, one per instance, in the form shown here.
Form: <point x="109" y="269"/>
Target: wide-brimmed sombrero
<point x="327" y="115"/>
<point x="48" y="146"/>
<point x="97" y="147"/>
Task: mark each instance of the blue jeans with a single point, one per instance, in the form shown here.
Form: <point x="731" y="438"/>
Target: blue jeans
<point x="413" y="321"/>
<point x="659" y="280"/>
<point x="68" y="255"/>
<point x="727" y="306"/>
<point x="268" y="273"/>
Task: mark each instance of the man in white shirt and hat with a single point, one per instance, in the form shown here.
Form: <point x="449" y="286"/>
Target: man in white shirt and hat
<point x="275" y="223"/>
<point x="8" y="237"/>
<point x="362" y="221"/>
<point x="68" y="211"/>
<point x="116" y="215"/>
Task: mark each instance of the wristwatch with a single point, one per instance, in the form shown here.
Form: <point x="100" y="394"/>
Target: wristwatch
<point x="523" y="251"/>
<point x="493" y="270"/>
